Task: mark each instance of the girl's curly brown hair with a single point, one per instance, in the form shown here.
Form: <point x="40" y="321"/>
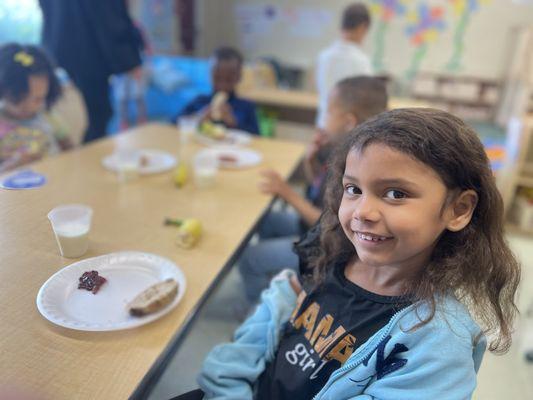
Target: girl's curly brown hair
<point x="475" y="263"/>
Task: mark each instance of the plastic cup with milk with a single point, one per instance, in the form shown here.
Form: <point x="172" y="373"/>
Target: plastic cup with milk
<point x="71" y="225"/>
<point x="128" y="164"/>
<point x="205" y="168"/>
<point x="187" y="125"/>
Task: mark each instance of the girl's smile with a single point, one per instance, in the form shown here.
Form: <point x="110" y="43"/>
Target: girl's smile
<point x="367" y="238"/>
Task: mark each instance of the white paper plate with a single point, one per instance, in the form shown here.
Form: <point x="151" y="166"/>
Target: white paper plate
<point x="234" y="137"/>
<point x="244" y="158"/>
<point x="158" y="161"/>
<point x="128" y="273"/>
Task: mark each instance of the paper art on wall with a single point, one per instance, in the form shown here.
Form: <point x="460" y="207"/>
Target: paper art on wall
<point x="425" y="24"/>
<point x="462" y="10"/>
<point x="307" y="22"/>
<point x="254" y="21"/>
<point x="383" y="11"/>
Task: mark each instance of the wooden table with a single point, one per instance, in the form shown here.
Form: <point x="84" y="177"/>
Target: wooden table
<point x="301" y="105"/>
<point x="59" y="363"/>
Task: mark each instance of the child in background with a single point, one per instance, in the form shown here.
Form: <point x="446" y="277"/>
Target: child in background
<point x="222" y="105"/>
<point x="344" y="57"/>
<point x="351" y="101"/>
<point x="412" y="259"/>
<point x="28" y="86"/>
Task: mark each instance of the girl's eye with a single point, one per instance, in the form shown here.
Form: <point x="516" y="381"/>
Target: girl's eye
<point x="352" y="190"/>
<point x="395" y="195"/>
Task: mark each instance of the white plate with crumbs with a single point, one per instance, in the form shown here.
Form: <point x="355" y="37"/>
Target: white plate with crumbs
<point x="234" y="157"/>
<point x="127" y="273"/>
<point x="152" y="161"/>
<point x="234" y="137"/>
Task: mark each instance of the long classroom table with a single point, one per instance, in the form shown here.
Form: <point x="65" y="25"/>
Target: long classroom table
<point x="60" y="363"/>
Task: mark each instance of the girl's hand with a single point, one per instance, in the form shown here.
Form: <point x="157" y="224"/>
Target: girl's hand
<point x="65" y="144"/>
<point x="274" y="184"/>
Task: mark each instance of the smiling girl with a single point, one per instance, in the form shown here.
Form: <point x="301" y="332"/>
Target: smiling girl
<point x="412" y="274"/>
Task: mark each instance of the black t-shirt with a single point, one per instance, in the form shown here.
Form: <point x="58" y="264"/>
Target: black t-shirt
<point x="328" y="324"/>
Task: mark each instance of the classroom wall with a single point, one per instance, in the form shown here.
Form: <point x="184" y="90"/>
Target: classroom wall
<point x="296" y="30"/>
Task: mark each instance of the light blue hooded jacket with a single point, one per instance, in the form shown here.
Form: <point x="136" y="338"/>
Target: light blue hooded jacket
<point x="437" y="361"/>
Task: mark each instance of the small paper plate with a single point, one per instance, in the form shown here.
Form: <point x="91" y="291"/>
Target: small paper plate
<point x="128" y="273"/>
<point x="157" y="162"/>
<point x="231" y="157"/>
<point x="233" y="137"/>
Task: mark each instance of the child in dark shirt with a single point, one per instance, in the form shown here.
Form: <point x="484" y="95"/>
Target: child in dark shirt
<point x="223" y="105"/>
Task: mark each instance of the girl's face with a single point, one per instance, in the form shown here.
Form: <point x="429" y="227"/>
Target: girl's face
<point x="392" y="209"/>
<point x="34" y="101"/>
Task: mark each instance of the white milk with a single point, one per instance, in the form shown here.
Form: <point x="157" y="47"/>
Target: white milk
<point x="73" y="240"/>
<point x="205" y="177"/>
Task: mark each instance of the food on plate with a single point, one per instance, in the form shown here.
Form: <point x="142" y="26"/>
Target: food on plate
<point x="213" y="131"/>
<point x="144" y="160"/>
<point x="189" y="232"/>
<point x="228" y="159"/>
<point x="91" y="281"/>
<point x="153" y="299"/>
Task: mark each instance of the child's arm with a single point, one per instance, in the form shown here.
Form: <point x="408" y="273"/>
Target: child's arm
<point x="230" y="370"/>
<point x="18" y="160"/>
<point x="274" y="184"/>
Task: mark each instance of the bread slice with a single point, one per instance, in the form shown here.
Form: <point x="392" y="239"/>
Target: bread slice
<point x="154" y="298"/>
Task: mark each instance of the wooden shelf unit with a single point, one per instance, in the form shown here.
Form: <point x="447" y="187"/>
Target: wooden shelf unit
<point x="517" y="170"/>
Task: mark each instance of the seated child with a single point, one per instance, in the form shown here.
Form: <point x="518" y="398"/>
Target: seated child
<point x="28" y="85"/>
<point x="223" y="105"/>
<point x="414" y="275"/>
<point x="351" y="101"/>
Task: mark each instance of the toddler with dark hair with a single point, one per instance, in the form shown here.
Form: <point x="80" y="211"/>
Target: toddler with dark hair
<point x="28" y="87"/>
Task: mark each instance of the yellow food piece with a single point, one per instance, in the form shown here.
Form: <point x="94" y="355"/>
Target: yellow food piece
<point x="189" y="233"/>
<point x="214" y="131"/>
<point x="181" y="174"/>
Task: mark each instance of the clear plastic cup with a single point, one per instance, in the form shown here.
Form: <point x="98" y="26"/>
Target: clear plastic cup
<point x="71" y="224"/>
<point x="205" y="169"/>
<point x="187" y="125"/>
<point x="128" y="164"/>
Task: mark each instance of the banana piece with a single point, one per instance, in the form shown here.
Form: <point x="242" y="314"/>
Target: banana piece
<point x="181" y="175"/>
<point x="189" y="232"/>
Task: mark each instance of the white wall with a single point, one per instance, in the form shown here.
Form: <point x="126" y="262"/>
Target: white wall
<point x="486" y="40"/>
